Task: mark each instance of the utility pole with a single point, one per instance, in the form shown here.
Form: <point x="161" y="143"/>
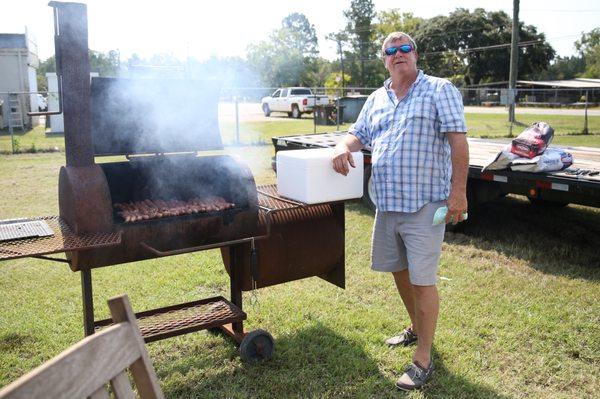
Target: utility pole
<point x="338" y="38"/>
<point x="339" y="42"/>
<point x="514" y="62"/>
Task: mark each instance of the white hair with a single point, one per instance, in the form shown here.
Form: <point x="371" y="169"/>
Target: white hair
<point x="396" y="36"/>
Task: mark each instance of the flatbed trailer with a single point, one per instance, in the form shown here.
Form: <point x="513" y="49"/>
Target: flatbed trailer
<point x="546" y="188"/>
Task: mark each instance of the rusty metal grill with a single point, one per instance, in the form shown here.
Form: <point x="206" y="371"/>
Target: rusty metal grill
<point x="63" y="240"/>
<point x="283" y="210"/>
<point x="183" y="318"/>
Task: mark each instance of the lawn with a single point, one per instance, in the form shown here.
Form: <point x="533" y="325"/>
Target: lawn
<point x="567" y="131"/>
<point x="496" y="125"/>
<point x="520" y="313"/>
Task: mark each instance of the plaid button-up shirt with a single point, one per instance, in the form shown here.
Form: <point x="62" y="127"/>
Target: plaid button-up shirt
<point x="410" y="159"/>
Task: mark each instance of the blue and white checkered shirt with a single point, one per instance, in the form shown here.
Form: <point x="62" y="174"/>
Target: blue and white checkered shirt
<point x="410" y="159"/>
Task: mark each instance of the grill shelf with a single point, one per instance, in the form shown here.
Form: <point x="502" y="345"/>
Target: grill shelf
<point x="63" y="240"/>
<point x="184" y="318"/>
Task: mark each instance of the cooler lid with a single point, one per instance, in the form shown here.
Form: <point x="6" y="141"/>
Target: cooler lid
<point x="142" y="116"/>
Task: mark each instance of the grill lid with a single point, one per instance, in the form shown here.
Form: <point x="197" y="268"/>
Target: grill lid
<point x="148" y="116"/>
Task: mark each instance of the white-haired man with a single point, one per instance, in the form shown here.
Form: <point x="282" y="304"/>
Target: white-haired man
<point x="415" y="125"/>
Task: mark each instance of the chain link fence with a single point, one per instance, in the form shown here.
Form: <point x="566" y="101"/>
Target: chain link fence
<point x="243" y="119"/>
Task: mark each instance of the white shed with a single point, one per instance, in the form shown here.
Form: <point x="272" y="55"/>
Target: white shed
<point x="18" y="67"/>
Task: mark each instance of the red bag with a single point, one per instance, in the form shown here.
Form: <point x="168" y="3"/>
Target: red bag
<point x="533" y="141"/>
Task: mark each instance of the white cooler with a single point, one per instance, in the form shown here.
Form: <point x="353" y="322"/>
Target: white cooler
<point x="308" y="176"/>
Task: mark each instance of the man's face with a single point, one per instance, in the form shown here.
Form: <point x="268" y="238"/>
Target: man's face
<point x="401" y="63"/>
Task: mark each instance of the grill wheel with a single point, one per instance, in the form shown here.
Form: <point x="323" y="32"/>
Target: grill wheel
<point x="257" y="345"/>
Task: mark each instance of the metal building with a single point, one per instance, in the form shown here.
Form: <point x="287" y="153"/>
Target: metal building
<point x="18" y="83"/>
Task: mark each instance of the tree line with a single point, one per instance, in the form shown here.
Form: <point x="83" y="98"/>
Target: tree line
<point x="468" y="47"/>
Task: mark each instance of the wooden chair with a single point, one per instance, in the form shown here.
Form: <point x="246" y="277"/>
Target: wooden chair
<point x="85" y="369"/>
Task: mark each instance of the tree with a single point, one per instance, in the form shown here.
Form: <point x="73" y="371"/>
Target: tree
<point x="471" y="36"/>
<point x="276" y="66"/>
<point x="395" y="21"/>
<point x="316" y="72"/>
<point x="362" y="60"/>
<point x="106" y="64"/>
<point x="48" y="65"/>
<point x="589" y="47"/>
<point x="300" y="34"/>
<point x="289" y="57"/>
<point x="334" y="84"/>
<point x="562" y="68"/>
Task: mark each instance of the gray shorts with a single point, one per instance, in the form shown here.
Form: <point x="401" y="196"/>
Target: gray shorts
<point x="408" y="240"/>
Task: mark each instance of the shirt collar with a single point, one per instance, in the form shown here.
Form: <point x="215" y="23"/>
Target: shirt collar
<point x="388" y="81"/>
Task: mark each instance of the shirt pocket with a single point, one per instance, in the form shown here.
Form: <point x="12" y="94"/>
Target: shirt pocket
<point x="421" y="108"/>
<point x="421" y="119"/>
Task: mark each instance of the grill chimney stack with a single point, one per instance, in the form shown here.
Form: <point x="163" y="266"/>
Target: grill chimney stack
<point x="73" y="70"/>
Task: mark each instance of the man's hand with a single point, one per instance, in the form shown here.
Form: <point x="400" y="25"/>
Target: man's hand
<point x="341" y="158"/>
<point x="457" y="205"/>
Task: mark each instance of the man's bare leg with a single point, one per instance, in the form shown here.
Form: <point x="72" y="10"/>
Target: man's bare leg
<point x="405" y="288"/>
<point x="427" y="307"/>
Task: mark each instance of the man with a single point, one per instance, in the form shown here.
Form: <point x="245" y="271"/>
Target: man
<point x="416" y="128"/>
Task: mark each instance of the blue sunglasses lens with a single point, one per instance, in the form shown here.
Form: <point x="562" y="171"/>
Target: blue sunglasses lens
<point x="405" y="48"/>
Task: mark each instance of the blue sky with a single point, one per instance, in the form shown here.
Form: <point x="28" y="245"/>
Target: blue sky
<point x="204" y="28"/>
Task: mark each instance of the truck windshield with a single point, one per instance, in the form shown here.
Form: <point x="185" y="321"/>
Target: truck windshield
<point x="300" y="92"/>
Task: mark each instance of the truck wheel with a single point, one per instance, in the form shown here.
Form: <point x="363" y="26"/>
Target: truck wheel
<point x="266" y="109"/>
<point x="368" y="189"/>
<point x="296" y="111"/>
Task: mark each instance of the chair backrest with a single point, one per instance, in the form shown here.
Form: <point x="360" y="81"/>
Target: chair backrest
<point x="85" y="369"/>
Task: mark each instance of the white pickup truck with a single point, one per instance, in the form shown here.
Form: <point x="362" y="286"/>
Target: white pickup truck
<point x="295" y="101"/>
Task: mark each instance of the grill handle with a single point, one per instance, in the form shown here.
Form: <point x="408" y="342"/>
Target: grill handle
<point x="253" y="262"/>
<point x="194" y="249"/>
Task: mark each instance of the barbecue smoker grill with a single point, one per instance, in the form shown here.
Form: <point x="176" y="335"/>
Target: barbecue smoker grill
<point x="166" y="200"/>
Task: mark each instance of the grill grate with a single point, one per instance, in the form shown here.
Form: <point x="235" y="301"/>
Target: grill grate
<point x="282" y="210"/>
<point x="16" y="229"/>
<point x="62" y="240"/>
<point x="269" y="197"/>
<point x="184" y="318"/>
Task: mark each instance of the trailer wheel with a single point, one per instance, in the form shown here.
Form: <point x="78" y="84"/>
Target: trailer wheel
<point x="266" y="109"/>
<point x="296" y="111"/>
<point x="368" y="189"/>
<point x="257" y="345"/>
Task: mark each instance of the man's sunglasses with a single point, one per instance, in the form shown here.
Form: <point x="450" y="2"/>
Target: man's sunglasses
<point x="405" y="48"/>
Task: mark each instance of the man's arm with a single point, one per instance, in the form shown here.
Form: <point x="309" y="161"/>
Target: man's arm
<point x="459" y="151"/>
<point x="342" y="155"/>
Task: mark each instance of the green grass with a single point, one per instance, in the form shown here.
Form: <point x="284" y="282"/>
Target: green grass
<point x="30" y="141"/>
<point x="496" y="125"/>
<point x="567" y="131"/>
<point x="520" y="311"/>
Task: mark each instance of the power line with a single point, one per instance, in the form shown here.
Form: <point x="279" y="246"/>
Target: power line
<point x="545" y="10"/>
<point x="463" y="51"/>
<point x="492" y="47"/>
